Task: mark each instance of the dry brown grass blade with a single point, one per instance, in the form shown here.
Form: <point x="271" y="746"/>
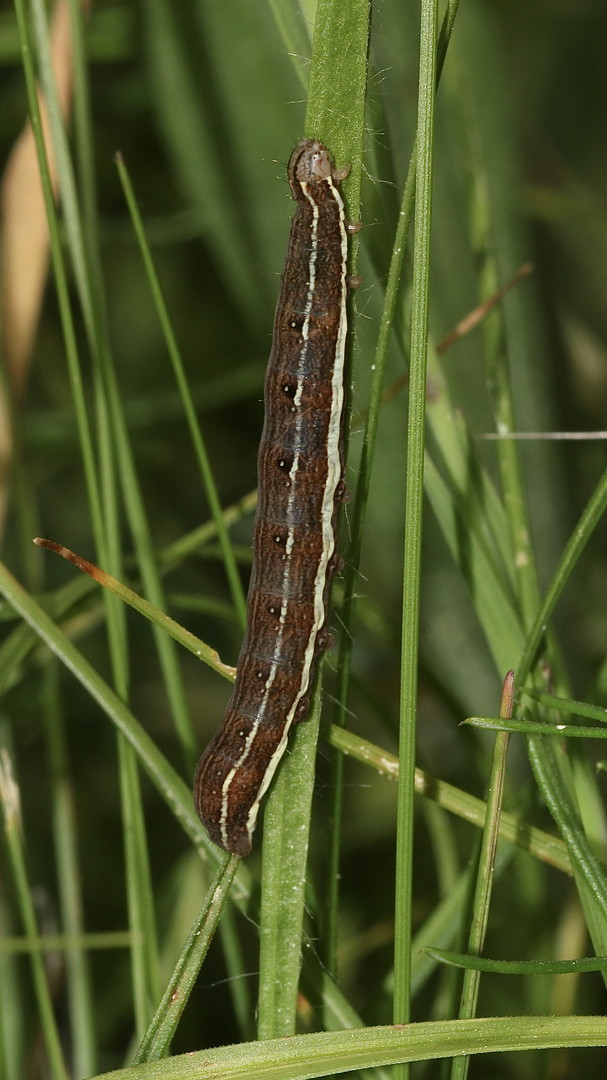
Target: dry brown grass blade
<point x="25" y="243"/>
<point x="24" y="226"/>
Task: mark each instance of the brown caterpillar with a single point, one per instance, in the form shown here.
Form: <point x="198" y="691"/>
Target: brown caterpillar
<point x="300" y="469"/>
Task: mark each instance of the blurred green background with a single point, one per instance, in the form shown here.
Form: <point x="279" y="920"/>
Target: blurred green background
<point x="205" y="103"/>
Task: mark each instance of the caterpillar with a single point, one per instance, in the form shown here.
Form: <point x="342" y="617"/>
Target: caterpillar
<point x="301" y="485"/>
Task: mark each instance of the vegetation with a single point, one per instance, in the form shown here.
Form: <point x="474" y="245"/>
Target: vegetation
<point x="134" y="351"/>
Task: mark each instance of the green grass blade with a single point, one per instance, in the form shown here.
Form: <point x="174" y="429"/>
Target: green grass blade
<point x="69" y="874"/>
<point x="140" y="530"/>
<point x="485" y="873"/>
<point x="106" y="524"/>
<point x="335" y="108"/>
<point x="455" y="454"/>
<point x="119" y="939"/>
<point x="550" y="849"/>
<point x="559" y="704"/>
<point x="586" y="866"/>
<point x="157" y="1039"/>
<point x="213" y="131"/>
<point x="170" y="785"/>
<point x="329" y="1053"/>
<point x="144" y="950"/>
<point x="158" y="618"/>
<point x="520" y="967"/>
<point x="108" y="404"/>
<point x="283" y="878"/>
<point x="186" y="397"/>
<point x="352" y="568"/>
<point x="145" y="973"/>
<point x="530" y="727"/>
<point x="589" y="519"/>
<point x="340" y="51"/>
<point x="9" y="796"/>
<point x="413" y="522"/>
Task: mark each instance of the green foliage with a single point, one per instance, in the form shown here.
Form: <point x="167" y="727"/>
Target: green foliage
<point x="134" y="444"/>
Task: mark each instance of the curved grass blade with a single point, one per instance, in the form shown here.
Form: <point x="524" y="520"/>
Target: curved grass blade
<point x="329" y="1053"/>
<point x="519" y="967"/>
<point x="143" y="606"/>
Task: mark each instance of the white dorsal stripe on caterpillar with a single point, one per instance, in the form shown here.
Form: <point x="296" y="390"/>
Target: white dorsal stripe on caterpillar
<point x="300" y="469"/>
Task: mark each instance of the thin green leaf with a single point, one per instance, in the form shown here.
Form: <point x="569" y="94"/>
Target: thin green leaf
<point x="9" y="797"/>
<point x="532" y="727"/>
<point x="144" y="949"/>
<point x="283" y="878"/>
<point x="589" y="519"/>
<point x="566" y="705"/>
<point x="327" y="1053"/>
<point x="172" y="788"/>
<point x="486" y="864"/>
<point x="186" y="397"/>
<point x="144" y="607"/>
<point x="352" y="568"/>
<point x="157" y="1039"/>
<point x="69" y="876"/>
<point x="413" y="510"/>
<point x="519" y="967"/>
